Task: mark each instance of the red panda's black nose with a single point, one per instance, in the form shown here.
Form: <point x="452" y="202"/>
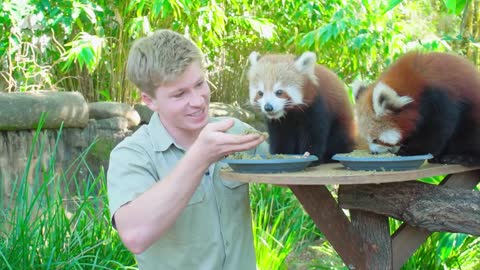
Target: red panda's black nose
<point x="268" y="107"/>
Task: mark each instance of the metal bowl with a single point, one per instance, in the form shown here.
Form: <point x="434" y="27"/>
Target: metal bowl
<point x="397" y="163"/>
<point x="291" y="163"/>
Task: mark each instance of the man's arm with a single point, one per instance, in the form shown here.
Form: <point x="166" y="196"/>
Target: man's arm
<point x="144" y="220"/>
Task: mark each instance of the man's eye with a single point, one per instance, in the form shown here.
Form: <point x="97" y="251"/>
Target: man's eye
<point x="179" y="94"/>
<point x="199" y="84"/>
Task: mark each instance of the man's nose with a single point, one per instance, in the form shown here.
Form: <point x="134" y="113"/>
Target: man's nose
<point x="196" y="98"/>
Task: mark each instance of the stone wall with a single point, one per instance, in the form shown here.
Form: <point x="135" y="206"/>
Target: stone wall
<point x="76" y="136"/>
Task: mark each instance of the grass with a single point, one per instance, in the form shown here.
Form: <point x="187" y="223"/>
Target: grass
<point x="60" y="221"/>
<point x="280" y="225"/>
<point x="47" y="226"/>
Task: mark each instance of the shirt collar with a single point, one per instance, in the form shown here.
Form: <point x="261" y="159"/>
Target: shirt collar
<point x="161" y="139"/>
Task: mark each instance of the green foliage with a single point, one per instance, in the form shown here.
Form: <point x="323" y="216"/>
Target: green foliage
<point x="446" y="251"/>
<point x="280" y="225"/>
<point x="86" y="49"/>
<point x="82" y="44"/>
<point x="455" y="6"/>
<point x="55" y="222"/>
<point x="100" y="150"/>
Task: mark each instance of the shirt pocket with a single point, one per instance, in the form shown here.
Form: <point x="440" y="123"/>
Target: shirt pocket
<point x="232" y="184"/>
<point x="235" y="199"/>
<point x="198" y="196"/>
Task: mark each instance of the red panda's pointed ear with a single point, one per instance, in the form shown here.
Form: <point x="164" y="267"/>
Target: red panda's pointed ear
<point x="358" y="87"/>
<point x="253" y="58"/>
<point x="386" y="100"/>
<point x="305" y="64"/>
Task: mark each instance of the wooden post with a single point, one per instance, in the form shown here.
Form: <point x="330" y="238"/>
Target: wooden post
<point x="407" y="239"/>
<point x="420" y="204"/>
<point x="375" y="231"/>
<point x="333" y="223"/>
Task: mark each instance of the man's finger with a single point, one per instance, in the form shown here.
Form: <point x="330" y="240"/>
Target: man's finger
<point x="236" y="139"/>
<point x="221" y="126"/>
<point x="232" y="148"/>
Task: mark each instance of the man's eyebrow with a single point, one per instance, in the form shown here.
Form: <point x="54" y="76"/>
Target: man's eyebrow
<point x="200" y="79"/>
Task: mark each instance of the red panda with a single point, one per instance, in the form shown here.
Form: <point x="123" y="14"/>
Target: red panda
<point x="305" y="104"/>
<point x="424" y="103"/>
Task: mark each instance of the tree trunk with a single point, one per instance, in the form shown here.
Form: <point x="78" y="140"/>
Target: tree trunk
<point x="435" y="208"/>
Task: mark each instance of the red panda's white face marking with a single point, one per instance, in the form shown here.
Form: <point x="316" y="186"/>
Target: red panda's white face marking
<point x="276" y="81"/>
<point x="385" y="100"/>
<point x="387" y="141"/>
<point x="374" y="110"/>
<point x="381" y="135"/>
<point x="273" y="102"/>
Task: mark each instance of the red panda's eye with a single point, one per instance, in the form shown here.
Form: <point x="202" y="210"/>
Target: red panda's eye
<point x="279" y="92"/>
<point x="260" y="93"/>
<point x="376" y="141"/>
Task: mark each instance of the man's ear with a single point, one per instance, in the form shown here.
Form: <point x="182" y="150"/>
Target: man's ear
<point x="150" y="102"/>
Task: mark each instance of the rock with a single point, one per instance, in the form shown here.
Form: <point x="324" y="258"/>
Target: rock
<point x="22" y="110"/>
<point x="222" y="109"/>
<point x="108" y="109"/>
<point x="144" y="112"/>
<point x="114" y="123"/>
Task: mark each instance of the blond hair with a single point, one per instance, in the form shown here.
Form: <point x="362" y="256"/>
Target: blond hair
<point x="160" y="58"/>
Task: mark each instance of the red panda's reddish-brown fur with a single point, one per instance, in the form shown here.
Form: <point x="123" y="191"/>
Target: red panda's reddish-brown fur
<point x="333" y="92"/>
<point x="452" y="80"/>
<point x="324" y="115"/>
<point x="455" y="74"/>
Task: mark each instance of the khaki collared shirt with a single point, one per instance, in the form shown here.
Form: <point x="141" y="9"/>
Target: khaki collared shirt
<point x="214" y="230"/>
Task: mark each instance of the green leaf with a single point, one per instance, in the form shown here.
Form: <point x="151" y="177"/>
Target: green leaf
<point x="262" y="27"/>
<point x="106" y="95"/>
<point x="391" y="4"/>
<point x="455" y="6"/>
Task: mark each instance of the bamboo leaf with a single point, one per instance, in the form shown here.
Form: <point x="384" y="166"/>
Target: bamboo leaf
<point x="455" y="6"/>
<point x="391" y="5"/>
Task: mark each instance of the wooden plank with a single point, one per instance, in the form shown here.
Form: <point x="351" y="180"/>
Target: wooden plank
<point x="335" y="173"/>
<point x="465" y="180"/>
<point x="330" y="219"/>
<point x="407" y="239"/>
<point x="375" y="230"/>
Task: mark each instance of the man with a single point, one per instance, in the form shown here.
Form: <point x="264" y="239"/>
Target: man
<point x="166" y="199"/>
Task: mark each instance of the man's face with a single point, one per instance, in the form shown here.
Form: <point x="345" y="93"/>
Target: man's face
<point x="183" y="104"/>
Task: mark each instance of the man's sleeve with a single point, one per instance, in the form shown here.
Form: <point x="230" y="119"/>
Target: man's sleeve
<point x="130" y="173"/>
